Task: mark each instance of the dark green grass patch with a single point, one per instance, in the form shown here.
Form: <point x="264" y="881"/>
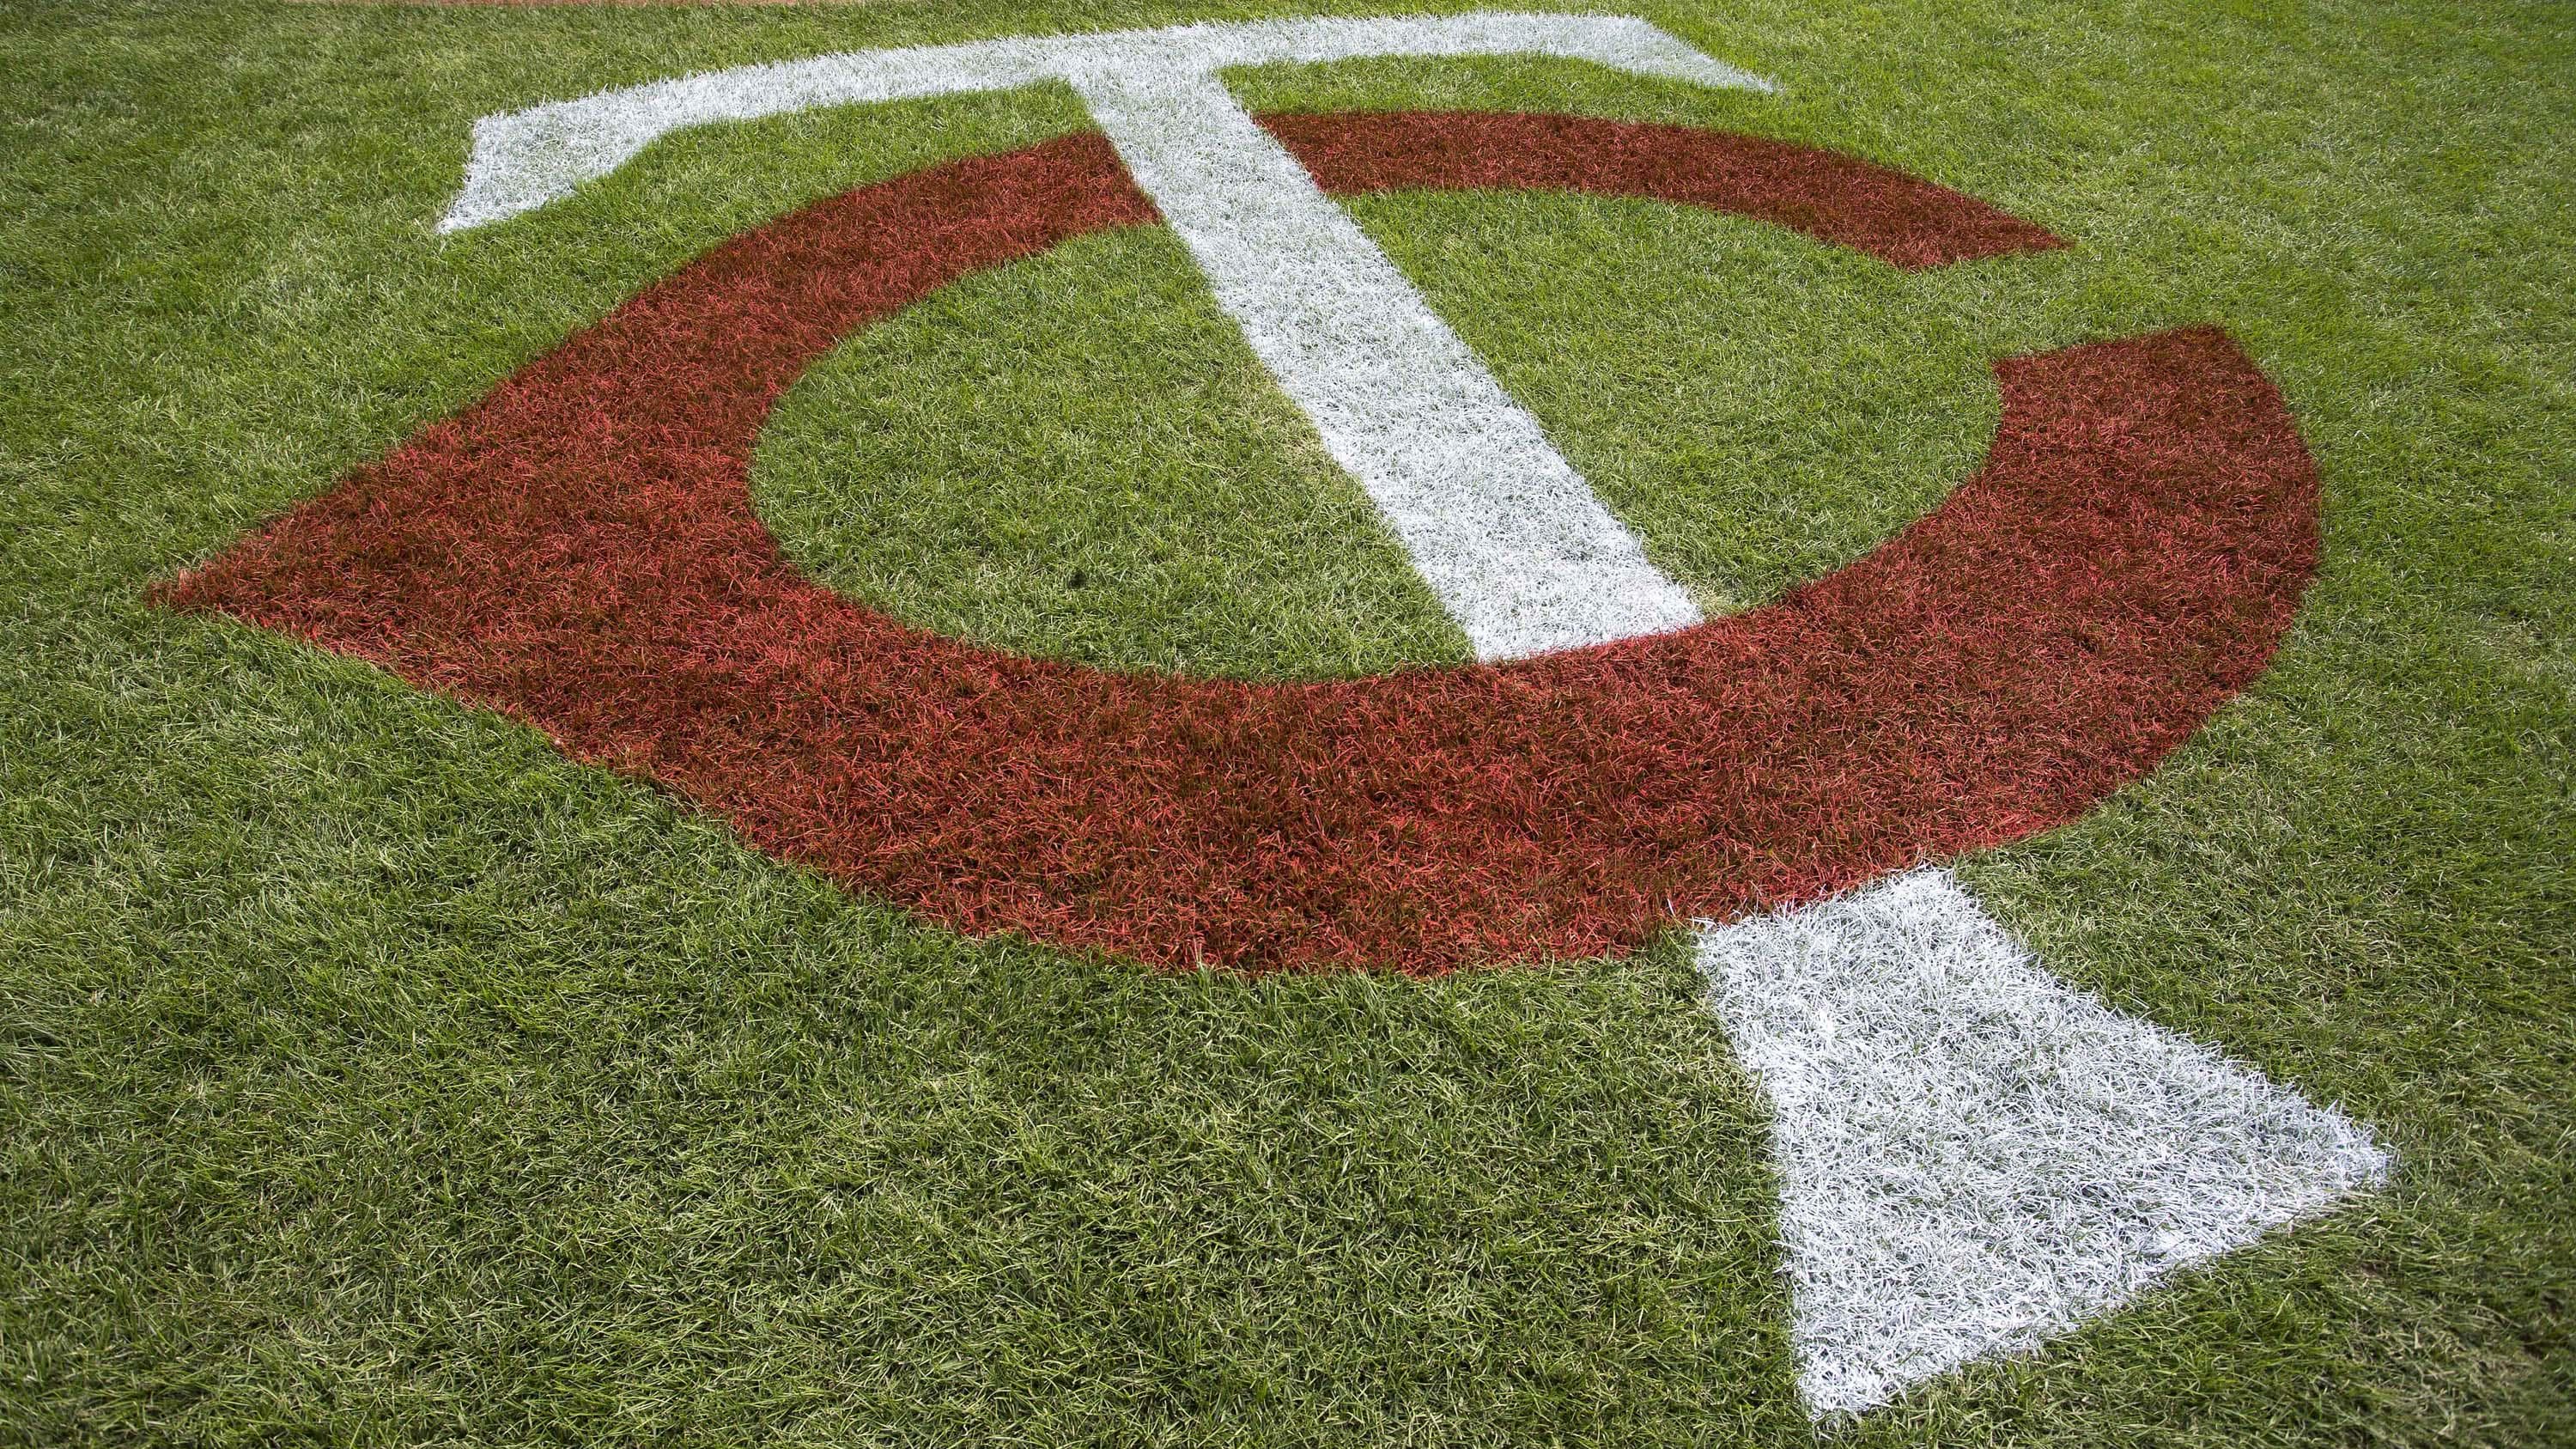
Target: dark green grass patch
<point x="372" y="1075"/>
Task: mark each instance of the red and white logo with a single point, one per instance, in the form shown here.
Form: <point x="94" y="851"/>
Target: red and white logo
<point x="579" y="550"/>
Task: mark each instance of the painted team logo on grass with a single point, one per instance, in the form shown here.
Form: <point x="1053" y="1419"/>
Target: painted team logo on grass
<point x="579" y="549"/>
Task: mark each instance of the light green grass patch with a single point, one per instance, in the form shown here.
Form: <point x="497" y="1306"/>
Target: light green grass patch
<point x="1078" y="456"/>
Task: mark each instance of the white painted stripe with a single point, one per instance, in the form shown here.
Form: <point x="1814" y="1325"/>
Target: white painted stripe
<point x="1505" y="533"/>
<point x="523" y="159"/>
<point x="1974" y="1157"/>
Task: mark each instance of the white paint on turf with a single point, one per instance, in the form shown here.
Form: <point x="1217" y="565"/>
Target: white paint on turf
<point x="523" y="159"/>
<point x="1506" y="534"/>
<point x="1975" y="1157"/>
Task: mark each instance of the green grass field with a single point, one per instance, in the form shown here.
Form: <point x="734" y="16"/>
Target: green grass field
<point x="371" y="1074"/>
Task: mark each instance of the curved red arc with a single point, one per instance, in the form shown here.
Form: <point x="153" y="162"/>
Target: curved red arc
<point x="579" y="550"/>
<point x="1899" y="219"/>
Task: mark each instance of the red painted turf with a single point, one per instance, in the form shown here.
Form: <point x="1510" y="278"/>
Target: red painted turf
<point x="579" y="551"/>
